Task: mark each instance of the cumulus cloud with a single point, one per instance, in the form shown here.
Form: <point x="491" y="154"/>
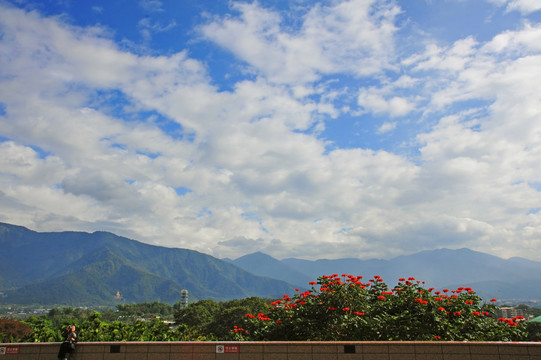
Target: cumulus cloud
<point x="353" y="36"/>
<point x="524" y="6"/>
<point x="371" y="100"/>
<point x="86" y="142"/>
<point x="386" y="127"/>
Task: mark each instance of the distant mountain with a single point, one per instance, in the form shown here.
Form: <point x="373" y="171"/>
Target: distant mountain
<point x="78" y="268"/>
<point x="488" y="275"/>
<point x="262" y="264"/>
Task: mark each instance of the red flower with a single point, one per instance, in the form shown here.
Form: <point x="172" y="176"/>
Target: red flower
<point x="262" y="317"/>
<point x="381" y="297"/>
<point x="358" y="313"/>
<point x="441" y="309"/>
<point x="312" y="283"/>
<point x="345" y="309"/>
<point x="237" y="329"/>
<point x="493" y="300"/>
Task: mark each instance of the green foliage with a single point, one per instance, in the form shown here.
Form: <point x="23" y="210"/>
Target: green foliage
<point x="345" y="308"/>
<point x="339" y="308"/>
<point x="44" y="331"/>
<point x="146" y="309"/>
<point x="199" y="314"/>
<point x="14" y="331"/>
<point x="214" y="319"/>
<point x="91" y="328"/>
<point x="534" y="331"/>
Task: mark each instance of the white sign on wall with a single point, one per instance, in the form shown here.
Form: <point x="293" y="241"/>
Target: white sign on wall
<point x="221" y="349"/>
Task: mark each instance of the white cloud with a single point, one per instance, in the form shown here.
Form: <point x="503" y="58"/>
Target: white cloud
<point x="151" y="5"/>
<point x="375" y="101"/>
<point x="148" y="27"/>
<point x="259" y="174"/>
<point x="349" y="36"/>
<point x="523" y="6"/>
<point x="386" y="127"/>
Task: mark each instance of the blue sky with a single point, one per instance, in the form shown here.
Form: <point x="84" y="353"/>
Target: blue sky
<point x="309" y="129"/>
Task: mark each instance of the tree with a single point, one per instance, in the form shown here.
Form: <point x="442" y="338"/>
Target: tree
<point x="214" y="319"/>
<point x="534" y="331"/>
<point x="231" y="310"/>
<point x="14" y="331"/>
<point x="147" y="309"/>
<point x="44" y="331"/>
<point x="346" y="308"/>
<point x="198" y="315"/>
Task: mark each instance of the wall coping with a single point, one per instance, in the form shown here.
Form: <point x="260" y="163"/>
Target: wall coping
<point x="285" y="342"/>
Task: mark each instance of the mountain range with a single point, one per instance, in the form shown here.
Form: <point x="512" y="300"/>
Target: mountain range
<point x="82" y="269"/>
<point x="78" y="268"/>
<point x="490" y="276"/>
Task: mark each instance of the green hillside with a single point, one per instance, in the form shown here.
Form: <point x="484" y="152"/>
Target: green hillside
<point x="77" y="268"/>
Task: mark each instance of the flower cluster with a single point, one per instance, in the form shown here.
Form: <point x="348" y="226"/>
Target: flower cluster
<point x="512" y="322"/>
<point x="237" y="329"/>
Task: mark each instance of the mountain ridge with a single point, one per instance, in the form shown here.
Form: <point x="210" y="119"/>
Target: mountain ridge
<point x="75" y="268"/>
<point x="63" y="268"/>
<point x="514" y="278"/>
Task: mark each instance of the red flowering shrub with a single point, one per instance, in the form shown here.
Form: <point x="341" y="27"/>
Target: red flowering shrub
<point x="14" y="331"/>
<point x="346" y="308"/>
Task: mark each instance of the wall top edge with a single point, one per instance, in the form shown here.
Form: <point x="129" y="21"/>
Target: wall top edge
<point x="510" y="343"/>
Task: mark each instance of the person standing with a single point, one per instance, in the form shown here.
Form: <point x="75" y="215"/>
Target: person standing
<point x="68" y="346"/>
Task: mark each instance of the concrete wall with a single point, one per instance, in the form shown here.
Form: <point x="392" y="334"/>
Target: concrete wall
<point x="279" y="351"/>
